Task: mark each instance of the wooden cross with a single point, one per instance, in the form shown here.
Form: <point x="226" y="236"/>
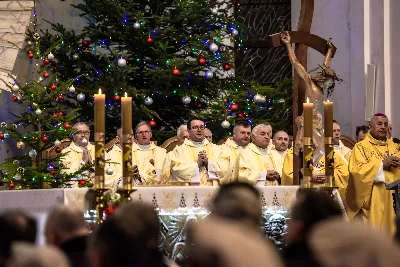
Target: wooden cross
<point x="303" y="39"/>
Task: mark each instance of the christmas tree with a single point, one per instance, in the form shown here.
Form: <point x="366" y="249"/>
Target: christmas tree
<point x="42" y="124"/>
<point x="175" y="58"/>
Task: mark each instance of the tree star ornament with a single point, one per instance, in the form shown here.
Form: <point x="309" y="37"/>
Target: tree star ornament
<point x="225" y="124"/>
<point x="148" y="101"/>
<point x="122" y="62"/>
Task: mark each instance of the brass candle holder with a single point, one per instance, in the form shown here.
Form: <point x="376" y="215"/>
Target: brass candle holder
<point x="99" y="202"/>
<point x="307" y="162"/>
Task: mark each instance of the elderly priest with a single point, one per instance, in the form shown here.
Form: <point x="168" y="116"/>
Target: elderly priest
<point x="194" y="161"/>
<point x="373" y="162"/>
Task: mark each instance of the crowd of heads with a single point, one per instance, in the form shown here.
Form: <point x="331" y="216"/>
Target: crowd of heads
<point x="318" y="235"/>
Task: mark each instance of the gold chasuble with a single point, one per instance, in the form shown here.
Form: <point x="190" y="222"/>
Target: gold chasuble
<point x="184" y="167"/>
<point x="343" y="151"/>
<point x="229" y="154"/>
<point x="252" y="165"/>
<point x="279" y="158"/>
<point x="149" y="159"/>
<point x="72" y="159"/>
<point x="340" y="168"/>
<point x="114" y="157"/>
<point x="366" y="191"/>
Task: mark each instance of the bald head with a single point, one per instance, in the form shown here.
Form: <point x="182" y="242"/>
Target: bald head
<point x="64" y="223"/>
<point x="208" y="134"/>
<point x="281" y="141"/>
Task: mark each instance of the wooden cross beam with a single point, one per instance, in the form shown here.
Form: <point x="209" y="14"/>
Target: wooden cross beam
<point x="303" y="39"/>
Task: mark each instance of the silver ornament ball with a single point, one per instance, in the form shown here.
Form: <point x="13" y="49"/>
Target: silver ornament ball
<point x="3" y="124"/>
<point x="80" y="97"/>
<point x="213" y="47"/>
<point x="15" y="88"/>
<point x="75" y="56"/>
<point x="122" y="62"/>
<point x="281" y="100"/>
<point x="257" y="98"/>
<point x="225" y="124"/>
<point x="71" y="89"/>
<point x="109" y="171"/>
<point x="17" y="177"/>
<point x="186" y="100"/>
<point x="35" y="106"/>
<point x="209" y="74"/>
<point x="29" y="42"/>
<point x="50" y="56"/>
<point x="136" y="25"/>
<point x="57" y="143"/>
<point x="214" y="11"/>
<point x="38" y="111"/>
<point x="263" y="99"/>
<point x="84" y="142"/>
<point x="148" y="101"/>
<point x="235" y="32"/>
<point x="32" y="153"/>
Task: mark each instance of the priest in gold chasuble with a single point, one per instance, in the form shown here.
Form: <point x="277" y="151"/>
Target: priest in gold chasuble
<point x="373" y="162"/>
<point x="194" y="161"/>
<point x="255" y="163"/>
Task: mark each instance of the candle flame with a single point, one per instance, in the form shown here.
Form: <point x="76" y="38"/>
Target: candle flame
<point x="327" y="100"/>
<point x="308" y="100"/>
<point x="126" y="94"/>
<point x="99" y="91"/>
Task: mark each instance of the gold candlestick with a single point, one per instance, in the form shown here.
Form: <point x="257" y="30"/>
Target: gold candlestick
<point x="307" y="142"/>
<point x="99" y="139"/>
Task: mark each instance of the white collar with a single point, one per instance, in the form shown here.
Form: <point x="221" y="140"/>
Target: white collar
<point x="262" y="150"/>
<point x="145" y="147"/>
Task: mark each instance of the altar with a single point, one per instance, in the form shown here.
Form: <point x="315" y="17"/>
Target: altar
<point x="176" y="205"/>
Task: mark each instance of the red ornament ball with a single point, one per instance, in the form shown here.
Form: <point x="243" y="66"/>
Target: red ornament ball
<point x="53" y="87"/>
<point x="117" y="98"/>
<point x="176" y="72"/>
<point x="58" y="149"/>
<point x="85" y="43"/>
<point x="31" y="56"/>
<point x="67" y="126"/>
<point x="227" y="67"/>
<point x="29" y="52"/>
<point x="61" y="113"/>
<point x="240" y="115"/>
<point x="14" y="98"/>
<point x="60" y="97"/>
<point x="152" y="123"/>
<point x="53" y="172"/>
<point x="1" y="136"/>
<point x="55" y="69"/>
<point x="82" y="182"/>
<point x="199" y="105"/>
<point x="46" y="74"/>
<point x="46" y="61"/>
<point x="45" y="138"/>
<point x="11" y="185"/>
<point x="202" y="60"/>
<point x="149" y="40"/>
<point x="234" y="107"/>
<point x="54" y="115"/>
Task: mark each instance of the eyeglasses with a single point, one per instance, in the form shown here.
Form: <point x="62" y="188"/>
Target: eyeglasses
<point x="83" y="132"/>
<point x="143" y="132"/>
<point x="198" y="127"/>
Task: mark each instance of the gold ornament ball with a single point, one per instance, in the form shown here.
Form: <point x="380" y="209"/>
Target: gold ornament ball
<point x="20" y="144"/>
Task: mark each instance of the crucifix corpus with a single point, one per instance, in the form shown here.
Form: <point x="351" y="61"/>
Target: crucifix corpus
<point x="305" y="85"/>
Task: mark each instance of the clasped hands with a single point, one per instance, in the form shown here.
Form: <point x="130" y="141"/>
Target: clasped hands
<point x="272" y="175"/>
<point x="202" y="159"/>
<point x="391" y="162"/>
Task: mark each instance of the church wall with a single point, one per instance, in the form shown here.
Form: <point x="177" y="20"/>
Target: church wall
<point x="343" y="21"/>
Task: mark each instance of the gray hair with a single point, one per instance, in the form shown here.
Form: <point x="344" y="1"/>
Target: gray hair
<point x="259" y="127"/>
<point x="181" y="129"/>
<point x="65" y="220"/>
<point x="141" y="124"/>
<point x="375" y="118"/>
<point x="79" y="124"/>
<point x="119" y="132"/>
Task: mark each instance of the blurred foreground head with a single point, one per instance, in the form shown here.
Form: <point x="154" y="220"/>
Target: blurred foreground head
<point x="222" y="243"/>
<point x="311" y="207"/>
<point x="238" y="201"/>
<point x="129" y="238"/>
<point x="15" y="226"/>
